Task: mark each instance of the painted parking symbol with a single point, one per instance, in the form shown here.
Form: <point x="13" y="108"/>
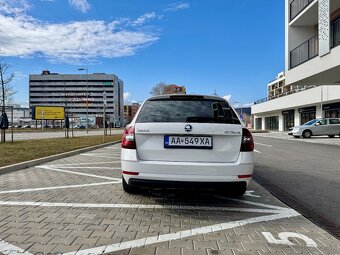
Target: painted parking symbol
<point x="283" y="238"/>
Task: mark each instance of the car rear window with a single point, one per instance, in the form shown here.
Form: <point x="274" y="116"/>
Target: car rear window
<point x="201" y="111"/>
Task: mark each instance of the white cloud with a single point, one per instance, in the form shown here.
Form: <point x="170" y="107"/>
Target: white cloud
<point x="81" y="5"/>
<point x="227" y="97"/>
<point x="177" y="7"/>
<point x="248" y="105"/>
<point x="144" y="18"/>
<point x="236" y="104"/>
<point x="22" y="35"/>
<point x="14" y="7"/>
<point x="127" y="98"/>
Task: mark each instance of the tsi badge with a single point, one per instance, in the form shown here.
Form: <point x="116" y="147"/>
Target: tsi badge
<point x="188" y="128"/>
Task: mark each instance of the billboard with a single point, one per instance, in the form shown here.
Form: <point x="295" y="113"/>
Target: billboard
<point x="48" y="112"/>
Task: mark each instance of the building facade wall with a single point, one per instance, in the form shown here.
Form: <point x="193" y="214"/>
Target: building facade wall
<point x="311" y="32"/>
<point x="300" y="107"/>
<point x="79" y="94"/>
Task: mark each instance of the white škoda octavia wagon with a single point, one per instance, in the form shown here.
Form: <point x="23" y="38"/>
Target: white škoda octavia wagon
<point x="187" y="141"/>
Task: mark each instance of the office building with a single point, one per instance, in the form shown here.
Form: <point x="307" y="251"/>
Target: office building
<point x="310" y="85"/>
<point x="81" y="94"/>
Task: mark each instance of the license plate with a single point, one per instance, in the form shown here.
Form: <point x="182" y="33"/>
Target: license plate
<point x="196" y="142"/>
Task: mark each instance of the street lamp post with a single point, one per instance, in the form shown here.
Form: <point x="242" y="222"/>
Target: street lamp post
<point x="104" y="115"/>
<point x="87" y="99"/>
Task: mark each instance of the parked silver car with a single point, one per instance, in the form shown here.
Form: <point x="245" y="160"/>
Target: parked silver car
<point x="322" y="126"/>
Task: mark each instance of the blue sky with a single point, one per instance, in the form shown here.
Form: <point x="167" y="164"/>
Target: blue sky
<point x="232" y="46"/>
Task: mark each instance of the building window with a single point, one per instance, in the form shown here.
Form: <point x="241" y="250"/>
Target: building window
<point x="307" y="116"/>
<point x="335" y="33"/>
<point x="297" y="6"/>
<point x="332" y="114"/>
<point x="258" y="122"/>
<point x="288" y="119"/>
<point x="304" y="52"/>
<point x="272" y="123"/>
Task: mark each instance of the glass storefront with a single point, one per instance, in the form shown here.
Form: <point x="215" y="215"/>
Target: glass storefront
<point x="307" y="114"/>
<point x="332" y="114"/>
<point x="288" y="119"/>
<point x="258" y="122"/>
<point x="272" y="123"/>
<point x="332" y="110"/>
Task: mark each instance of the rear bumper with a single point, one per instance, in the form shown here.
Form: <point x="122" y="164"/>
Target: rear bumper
<point x="184" y="184"/>
<point x="187" y="172"/>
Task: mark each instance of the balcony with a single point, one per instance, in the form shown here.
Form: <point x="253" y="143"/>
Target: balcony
<point x="297" y="6"/>
<point x="304" y="52"/>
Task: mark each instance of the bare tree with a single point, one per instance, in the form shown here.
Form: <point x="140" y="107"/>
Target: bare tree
<point x="158" y="89"/>
<point x="6" y="89"/>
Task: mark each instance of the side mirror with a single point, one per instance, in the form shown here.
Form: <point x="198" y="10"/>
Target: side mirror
<point x="317" y="124"/>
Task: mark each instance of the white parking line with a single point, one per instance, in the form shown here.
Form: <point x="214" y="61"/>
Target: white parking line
<point x="182" y="234"/>
<point x="90" y="163"/>
<point x="257" y="151"/>
<point x="7" y="248"/>
<point x="249" y="193"/>
<point x="78" y="173"/>
<point x="267" y="145"/>
<point x="58" y="187"/>
<point x="92" y="167"/>
<point x="275" y="214"/>
<point x="142" y="206"/>
<point x="99" y="156"/>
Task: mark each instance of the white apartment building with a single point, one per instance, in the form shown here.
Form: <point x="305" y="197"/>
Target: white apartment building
<point x="310" y="86"/>
<point x="80" y="94"/>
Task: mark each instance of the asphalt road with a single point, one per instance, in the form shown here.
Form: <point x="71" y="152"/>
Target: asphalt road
<point x="58" y="134"/>
<point x="304" y="175"/>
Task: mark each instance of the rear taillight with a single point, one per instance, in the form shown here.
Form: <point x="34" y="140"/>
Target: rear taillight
<point x="128" y="141"/>
<point x="247" y="140"/>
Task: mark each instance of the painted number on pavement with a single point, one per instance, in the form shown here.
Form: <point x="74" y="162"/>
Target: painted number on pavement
<point x="284" y="236"/>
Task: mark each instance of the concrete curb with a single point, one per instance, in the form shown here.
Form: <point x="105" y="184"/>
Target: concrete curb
<point x="35" y="162"/>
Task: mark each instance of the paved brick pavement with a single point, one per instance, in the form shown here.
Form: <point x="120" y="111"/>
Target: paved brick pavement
<point x="314" y="139"/>
<point x="76" y="206"/>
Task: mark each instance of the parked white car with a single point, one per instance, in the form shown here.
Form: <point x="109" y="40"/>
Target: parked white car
<point x="317" y="127"/>
<point x="187" y="141"/>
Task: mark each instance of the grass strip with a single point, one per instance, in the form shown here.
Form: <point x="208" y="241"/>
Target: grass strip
<point x="20" y="151"/>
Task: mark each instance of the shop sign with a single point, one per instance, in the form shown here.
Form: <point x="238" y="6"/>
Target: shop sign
<point x="288" y="112"/>
<point x="308" y="109"/>
<point x="334" y="106"/>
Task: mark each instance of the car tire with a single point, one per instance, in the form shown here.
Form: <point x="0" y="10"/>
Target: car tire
<point x="307" y="134"/>
<point x="234" y="190"/>
<point x="331" y="136"/>
<point x="129" y="188"/>
<point x="239" y="190"/>
<point x="296" y="136"/>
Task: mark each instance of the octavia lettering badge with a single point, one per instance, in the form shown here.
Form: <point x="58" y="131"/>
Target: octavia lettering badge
<point x="188" y="128"/>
